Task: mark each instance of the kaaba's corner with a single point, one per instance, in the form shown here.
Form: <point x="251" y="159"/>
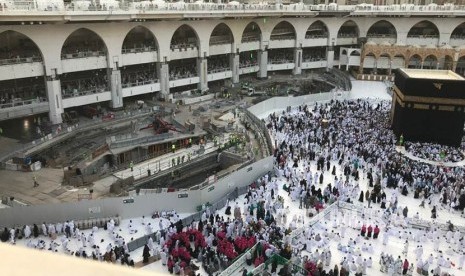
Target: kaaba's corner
<point x="428" y="106"/>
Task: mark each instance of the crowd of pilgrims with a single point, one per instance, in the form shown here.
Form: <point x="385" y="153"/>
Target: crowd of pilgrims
<point x="55" y="237"/>
<point x="353" y="135"/>
<point x="67" y="238"/>
<point x="356" y="135"/>
<point x="435" y="152"/>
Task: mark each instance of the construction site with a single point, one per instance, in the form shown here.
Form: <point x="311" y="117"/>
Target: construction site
<point x="151" y="145"/>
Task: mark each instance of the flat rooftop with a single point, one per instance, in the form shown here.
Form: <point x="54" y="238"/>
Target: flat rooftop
<point x="432" y="74"/>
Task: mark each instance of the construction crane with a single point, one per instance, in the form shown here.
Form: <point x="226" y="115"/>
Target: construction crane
<point x="160" y="126"/>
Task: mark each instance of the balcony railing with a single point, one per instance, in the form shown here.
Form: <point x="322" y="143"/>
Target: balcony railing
<point x="59" y="7"/>
<point x="282" y="37"/>
<point x="280" y="61"/>
<point x="313" y="59"/>
<point x="346" y="35"/>
<point x="183" y="46"/>
<point x="139" y="50"/>
<point x="250" y="39"/>
<point x="457" y="36"/>
<point x="381" y="36"/>
<point x="182" y="76"/>
<point x="423" y="36"/>
<point x="83" y="54"/>
<point x="19" y="60"/>
<point x="20" y="102"/>
<point x="139" y="83"/>
<point x="315" y="36"/>
<point x="218" y="70"/>
<point x="247" y="65"/>
<point x="78" y="93"/>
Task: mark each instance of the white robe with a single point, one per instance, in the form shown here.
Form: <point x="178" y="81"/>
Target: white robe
<point x="27" y="231"/>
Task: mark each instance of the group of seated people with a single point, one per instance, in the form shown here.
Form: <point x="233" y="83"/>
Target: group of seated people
<point x="419" y="34"/>
<point x="216" y="64"/>
<point x="310" y="35"/>
<point x="434" y="152"/>
<point x="346" y="34"/>
<point x="280" y="57"/>
<point x="383" y="34"/>
<point x="140" y="46"/>
<point x="245" y="62"/>
<point x="135" y="78"/>
<point x="85" y="86"/>
<point x="81" y="49"/>
<point x="314" y="55"/>
<point x="182" y="72"/>
<point x="183" y="43"/>
<point x="14" y="95"/>
<point x="250" y="37"/>
<point x="93" y="7"/>
<point x="10" y="56"/>
<point x="282" y="37"/>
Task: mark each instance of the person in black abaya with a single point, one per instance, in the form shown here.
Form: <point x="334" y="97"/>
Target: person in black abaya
<point x="321" y="178"/>
<point x="35" y="230"/>
<point x="200" y="226"/>
<point x="296" y="163"/>
<point x="5" y="235"/>
<point x="361" y="197"/>
<point x="146" y="254"/>
<point x="461" y="204"/>
<point x="434" y="213"/>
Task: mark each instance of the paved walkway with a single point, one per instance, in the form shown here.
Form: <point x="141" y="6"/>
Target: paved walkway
<point x="436" y="163"/>
<point x="20" y="186"/>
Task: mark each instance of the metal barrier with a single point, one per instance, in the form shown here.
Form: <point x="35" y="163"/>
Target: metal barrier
<point x="166" y="168"/>
<point x="412" y="223"/>
<point x="238" y="262"/>
<point x="262" y="129"/>
<point x="137" y="243"/>
<point x="294" y="234"/>
<point x="141" y="140"/>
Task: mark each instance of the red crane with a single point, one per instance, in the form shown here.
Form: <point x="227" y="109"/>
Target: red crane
<point x="160" y="126"/>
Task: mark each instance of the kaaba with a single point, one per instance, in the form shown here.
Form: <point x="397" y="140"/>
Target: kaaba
<point x="428" y="106"/>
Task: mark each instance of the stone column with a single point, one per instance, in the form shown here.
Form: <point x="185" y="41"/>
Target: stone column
<point x="234" y="63"/>
<point x="297" y="61"/>
<point x="330" y="57"/>
<point x="390" y="67"/>
<point x="116" y="90"/>
<point x="54" y="100"/>
<point x="203" y="74"/>
<point x="263" y="63"/>
<point x="163" y="74"/>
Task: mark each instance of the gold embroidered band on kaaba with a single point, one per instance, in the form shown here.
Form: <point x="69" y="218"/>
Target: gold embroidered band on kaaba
<point x="418" y="102"/>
